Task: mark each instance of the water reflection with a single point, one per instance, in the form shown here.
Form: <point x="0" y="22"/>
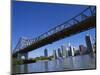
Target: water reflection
<point x="69" y="63"/>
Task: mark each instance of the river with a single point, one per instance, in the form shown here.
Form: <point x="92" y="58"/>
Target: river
<point x="61" y="64"/>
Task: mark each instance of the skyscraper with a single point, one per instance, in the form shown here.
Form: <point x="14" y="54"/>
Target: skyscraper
<point x="67" y="52"/>
<point x="46" y="53"/>
<point x="70" y="51"/>
<point x="88" y="44"/>
<point x="73" y="51"/>
<point x="59" y="52"/>
<point x="54" y="54"/>
<point x="64" y="52"/>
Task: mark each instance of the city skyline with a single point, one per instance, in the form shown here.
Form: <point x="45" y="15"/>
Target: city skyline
<point x="59" y="50"/>
<point x="70" y="50"/>
<point x="29" y="20"/>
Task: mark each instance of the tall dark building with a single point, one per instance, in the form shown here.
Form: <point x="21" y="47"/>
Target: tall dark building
<point x="59" y="52"/>
<point x="54" y="54"/>
<point x="70" y="51"/>
<point x="46" y="53"/>
<point x="88" y="44"/>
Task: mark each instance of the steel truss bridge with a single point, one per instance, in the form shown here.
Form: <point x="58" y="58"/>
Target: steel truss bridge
<point x="83" y="21"/>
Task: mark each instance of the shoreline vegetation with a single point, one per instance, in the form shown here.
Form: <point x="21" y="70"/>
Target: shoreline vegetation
<point x="31" y="60"/>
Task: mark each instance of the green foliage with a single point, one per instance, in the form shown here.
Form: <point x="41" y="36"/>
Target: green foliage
<point x="16" y="61"/>
<point x="43" y="58"/>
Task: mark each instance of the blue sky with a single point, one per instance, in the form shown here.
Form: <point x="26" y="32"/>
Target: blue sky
<point x="30" y="19"/>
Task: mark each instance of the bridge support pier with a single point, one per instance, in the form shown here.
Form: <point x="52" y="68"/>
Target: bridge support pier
<point x="22" y="56"/>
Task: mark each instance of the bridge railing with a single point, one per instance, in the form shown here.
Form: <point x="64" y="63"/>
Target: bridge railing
<point x="90" y="11"/>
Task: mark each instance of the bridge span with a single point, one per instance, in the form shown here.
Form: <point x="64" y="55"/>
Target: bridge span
<point x="75" y="25"/>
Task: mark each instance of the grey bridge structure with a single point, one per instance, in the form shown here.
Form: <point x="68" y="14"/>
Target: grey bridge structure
<point x="83" y="21"/>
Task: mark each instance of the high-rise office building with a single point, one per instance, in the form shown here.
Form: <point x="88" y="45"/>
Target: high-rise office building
<point x="59" y="52"/>
<point x="64" y="52"/>
<point x="54" y="54"/>
<point x="73" y="51"/>
<point x="88" y="44"/>
<point x="70" y="51"/>
<point x="67" y="51"/>
<point x="46" y="53"/>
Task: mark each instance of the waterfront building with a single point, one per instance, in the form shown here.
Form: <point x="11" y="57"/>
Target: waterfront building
<point x="46" y="53"/>
<point x="67" y="52"/>
<point x="70" y="51"/>
<point x="88" y="44"/>
<point x="54" y="54"/>
<point x="64" y="52"/>
<point x="82" y="49"/>
<point x="73" y="51"/>
<point x="59" y="52"/>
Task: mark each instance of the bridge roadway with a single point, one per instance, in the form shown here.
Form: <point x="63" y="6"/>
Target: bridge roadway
<point x="84" y="25"/>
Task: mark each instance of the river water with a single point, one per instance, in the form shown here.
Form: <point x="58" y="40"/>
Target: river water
<point x="61" y="64"/>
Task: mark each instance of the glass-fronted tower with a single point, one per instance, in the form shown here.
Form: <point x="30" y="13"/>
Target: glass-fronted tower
<point x="54" y="54"/>
<point x="88" y="44"/>
<point x="46" y="53"/>
<point x="64" y="52"/>
<point x="59" y="52"/>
